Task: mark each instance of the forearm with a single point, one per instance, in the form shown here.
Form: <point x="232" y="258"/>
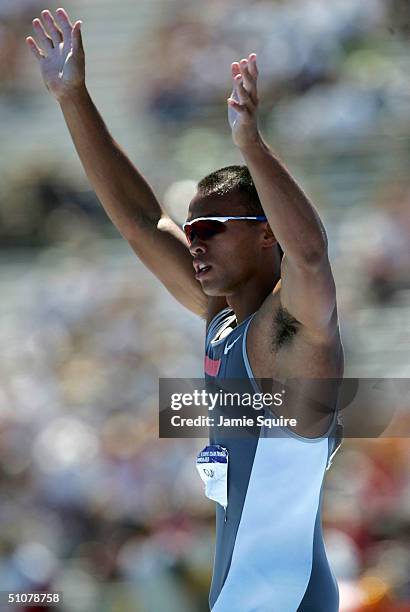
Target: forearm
<point x="124" y="193"/>
<point x="293" y="219"/>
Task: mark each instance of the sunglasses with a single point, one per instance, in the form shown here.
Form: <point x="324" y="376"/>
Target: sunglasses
<point x="206" y="227"/>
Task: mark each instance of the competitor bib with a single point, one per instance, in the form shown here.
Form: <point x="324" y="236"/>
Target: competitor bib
<point x="212" y="465"/>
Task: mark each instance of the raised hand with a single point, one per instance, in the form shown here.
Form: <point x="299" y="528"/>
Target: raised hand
<point x="243" y="102"/>
<point x="59" y="50"/>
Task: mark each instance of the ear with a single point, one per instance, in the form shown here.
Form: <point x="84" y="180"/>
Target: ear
<point x="268" y="238"/>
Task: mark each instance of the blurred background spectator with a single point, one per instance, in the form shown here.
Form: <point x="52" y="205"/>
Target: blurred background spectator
<point x="93" y="503"/>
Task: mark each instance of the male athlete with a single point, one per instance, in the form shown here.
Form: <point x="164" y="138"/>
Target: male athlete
<point x="267" y="316"/>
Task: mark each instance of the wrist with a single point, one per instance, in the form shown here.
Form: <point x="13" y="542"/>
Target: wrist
<point x="250" y="143"/>
<point x="72" y="95"/>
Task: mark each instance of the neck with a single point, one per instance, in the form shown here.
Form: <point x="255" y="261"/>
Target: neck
<point x="251" y="295"/>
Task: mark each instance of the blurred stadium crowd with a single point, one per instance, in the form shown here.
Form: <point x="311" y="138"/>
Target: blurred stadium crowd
<point x="93" y="503"/>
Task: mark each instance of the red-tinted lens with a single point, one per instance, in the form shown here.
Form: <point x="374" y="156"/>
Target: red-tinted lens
<point x="204" y="229"/>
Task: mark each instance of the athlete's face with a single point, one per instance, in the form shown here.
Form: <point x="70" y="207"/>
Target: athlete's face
<point x="232" y="257"/>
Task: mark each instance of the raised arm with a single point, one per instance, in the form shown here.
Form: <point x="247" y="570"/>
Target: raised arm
<point x="124" y="193"/>
<point x="307" y="285"/>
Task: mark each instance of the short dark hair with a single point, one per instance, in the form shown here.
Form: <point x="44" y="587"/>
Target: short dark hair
<point x="229" y="180"/>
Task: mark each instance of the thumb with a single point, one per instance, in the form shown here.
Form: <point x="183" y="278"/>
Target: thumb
<point x="77" y="38"/>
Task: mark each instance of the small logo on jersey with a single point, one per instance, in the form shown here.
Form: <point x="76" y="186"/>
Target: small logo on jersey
<point x="229" y="346"/>
<point x="209" y="473"/>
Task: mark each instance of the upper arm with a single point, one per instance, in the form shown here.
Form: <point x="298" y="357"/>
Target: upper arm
<point x="308" y="293"/>
<point x="163" y="248"/>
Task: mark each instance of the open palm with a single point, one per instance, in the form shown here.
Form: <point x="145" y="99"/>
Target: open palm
<point x="58" y="48"/>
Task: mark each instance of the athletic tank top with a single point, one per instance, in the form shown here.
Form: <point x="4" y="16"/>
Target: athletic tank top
<point x="269" y="549"/>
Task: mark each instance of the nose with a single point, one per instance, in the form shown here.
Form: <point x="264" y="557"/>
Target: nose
<point x="197" y="246"/>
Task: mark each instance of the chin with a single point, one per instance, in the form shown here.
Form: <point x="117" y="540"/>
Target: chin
<point x="212" y="291"/>
<point x="210" y="288"/>
<point x="218" y="287"/>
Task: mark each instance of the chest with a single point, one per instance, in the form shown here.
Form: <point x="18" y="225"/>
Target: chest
<point x="225" y="353"/>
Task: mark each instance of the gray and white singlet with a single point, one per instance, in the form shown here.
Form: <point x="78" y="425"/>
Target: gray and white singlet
<point x="269" y="550"/>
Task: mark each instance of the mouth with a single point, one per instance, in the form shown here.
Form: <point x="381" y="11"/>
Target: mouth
<point x="201" y="269"/>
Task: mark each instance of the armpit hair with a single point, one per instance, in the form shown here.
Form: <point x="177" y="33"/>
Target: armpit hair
<point x="285" y="327"/>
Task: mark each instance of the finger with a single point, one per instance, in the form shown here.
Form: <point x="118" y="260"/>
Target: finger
<point x="65" y="24"/>
<point x="243" y="66"/>
<point x="240" y="108"/>
<point x="234" y="95"/>
<point x="235" y="69"/>
<point x="244" y="96"/>
<point x="33" y="46"/>
<point x="77" y="38"/>
<point x="63" y="15"/>
<point x="43" y="37"/>
<point x="53" y="30"/>
<point x="252" y="66"/>
<point x="249" y="82"/>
